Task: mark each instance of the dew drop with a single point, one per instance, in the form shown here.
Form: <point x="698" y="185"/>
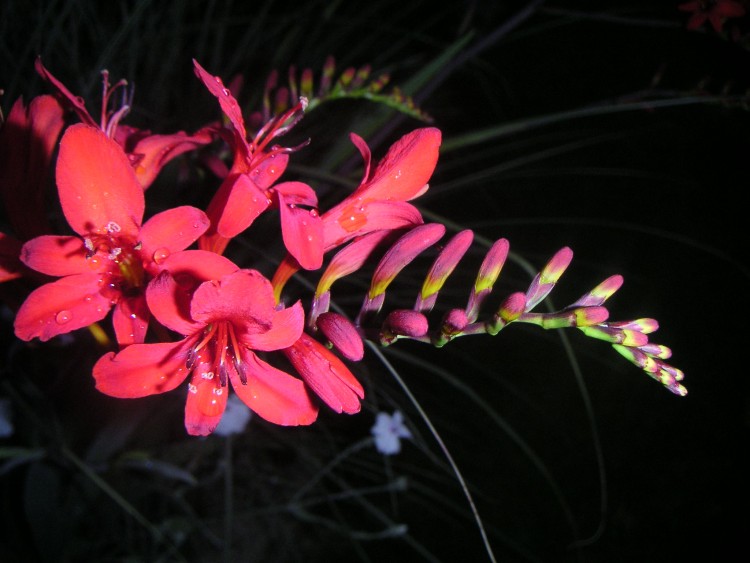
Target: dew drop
<point x="113" y="227"/>
<point x="63" y="317"/>
<point x="218" y="391"/>
<point x="160" y="255"/>
<point x="313" y="213"/>
<point x="192" y="388"/>
<point x="225" y="91"/>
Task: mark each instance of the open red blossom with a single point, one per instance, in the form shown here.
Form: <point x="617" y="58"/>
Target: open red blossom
<point x="148" y="153"/>
<point x="223" y="328"/>
<point x="379" y="201"/>
<point x="114" y="255"/>
<point x="248" y="189"/>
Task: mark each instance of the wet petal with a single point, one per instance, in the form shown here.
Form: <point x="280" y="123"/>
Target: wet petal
<point x="57" y="256"/>
<point x="343" y="223"/>
<point x="130" y="319"/>
<point x="273" y="394"/>
<point x="326" y="375"/>
<point x="237" y="203"/>
<point x="171" y="231"/>
<point x="286" y="328"/>
<point x="302" y="228"/>
<point x="96" y="183"/>
<point x="62" y="306"/>
<point x="364" y="150"/>
<point x="403" y="172"/>
<point x="245" y="297"/>
<point x="204" y="406"/>
<point x="142" y="369"/>
<point x="190" y="268"/>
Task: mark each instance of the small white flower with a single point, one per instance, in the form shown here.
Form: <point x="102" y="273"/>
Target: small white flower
<point x="6" y="424"/>
<point x="388" y="431"/>
<point x="235" y="419"/>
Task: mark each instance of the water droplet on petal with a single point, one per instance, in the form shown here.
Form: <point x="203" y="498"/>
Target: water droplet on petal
<point x="160" y="255"/>
<point x="63" y="317"/>
<point x="313" y="213"/>
<point x="225" y="91"/>
<point x="192" y="388"/>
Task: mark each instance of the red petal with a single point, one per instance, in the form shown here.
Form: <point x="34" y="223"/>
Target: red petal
<point x="273" y="394"/>
<point x="57" y="256"/>
<point x="342" y="224"/>
<point x="237" y="203"/>
<point x="155" y="151"/>
<point x="130" y="320"/>
<point x="228" y="104"/>
<point x="267" y="171"/>
<point x="364" y="150"/>
<point x="190" y="268"/>
<point x="302" y="230"/>
<point x="76" y="102"/>
<point x="171" y="231"/>
<point x="205" y="405"/>
<point x="96" y="183"/>
<point x="326" y="374"/>
<point x="286" y="328"/>
<point x="406" y="167"/>
<point x="169" y="302"/>
<point x="243" y="297"/>
<point x="62" y="306"/>
<point x="142" y="369"/>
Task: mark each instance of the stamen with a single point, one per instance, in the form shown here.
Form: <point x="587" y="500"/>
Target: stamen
<point x="238" y="365"/>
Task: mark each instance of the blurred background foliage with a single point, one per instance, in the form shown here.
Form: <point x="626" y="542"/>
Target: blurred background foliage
<point x="604" y="126"/>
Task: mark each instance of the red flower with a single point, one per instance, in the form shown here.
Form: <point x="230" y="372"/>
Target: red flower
<point x="715" y="11"/>
<point x="222" y="328"/>
<point x="27" y="140"/>
<point x="248" y="190"/>
<point x="379" y="201"/>
<point x="110" y="262"/>
<point x="148" y="153"/>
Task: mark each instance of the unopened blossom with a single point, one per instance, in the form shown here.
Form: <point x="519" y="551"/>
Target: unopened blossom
<point x="113" y="255"/>
<point x="224" y="323"/>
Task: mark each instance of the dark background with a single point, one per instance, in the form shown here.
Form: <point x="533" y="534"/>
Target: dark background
<point x="657" y="195"/>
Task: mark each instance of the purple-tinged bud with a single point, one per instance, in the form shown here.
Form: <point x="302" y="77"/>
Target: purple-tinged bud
<point x="342" y="333"/>
<point x="646" y="326"/>
<point x="579" y="317"/>
<point x="510" y="310"/>
<point x="600" y="293"/>
<point x="489" y="271"/>
<point x="403" y="251"/>
<point x="403" y="323"/>
<point x="443" y="267"/>
<point x="656" y="350"/>
<point x="454" y="322"/>
<point x="545" y="281"/>
<point x="625" y="337"/>
<point x="350" y="259"/>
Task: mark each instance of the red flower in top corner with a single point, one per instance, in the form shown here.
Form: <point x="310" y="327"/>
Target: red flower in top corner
<point x="248" y="189"/>
<point x="715" y="11"/>
<point x="112" y="258"/>
<point x="223" y="328"/>
<point x="148" y="153"/>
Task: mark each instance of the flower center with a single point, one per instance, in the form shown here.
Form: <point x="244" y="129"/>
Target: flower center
<point x="108" y="250"/>
<point x="215" y="352"/>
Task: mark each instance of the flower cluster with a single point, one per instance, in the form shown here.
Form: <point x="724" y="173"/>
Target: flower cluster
<point x="181" y="311"/>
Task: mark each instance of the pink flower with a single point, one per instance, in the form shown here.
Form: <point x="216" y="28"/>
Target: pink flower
<point x="223" y="328"/>
<point x="114" y="255"/>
